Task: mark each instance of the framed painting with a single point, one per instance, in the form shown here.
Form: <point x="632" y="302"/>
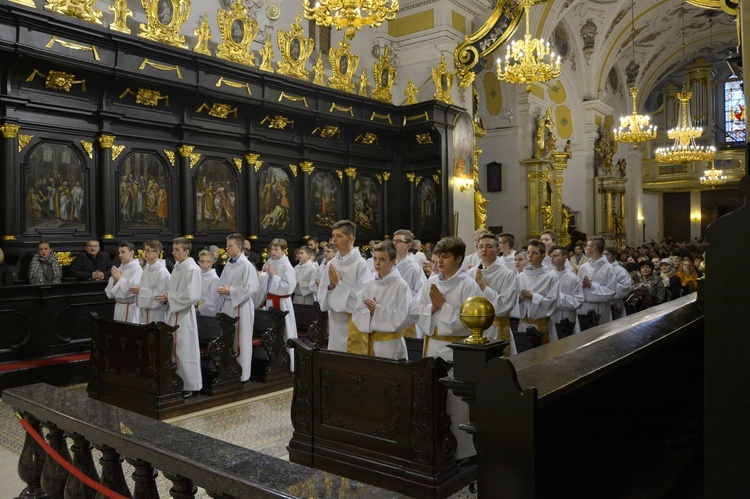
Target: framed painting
<point x="367" y="204"/>
<point x="143" y="192"/>
<point x="276" y="195"/>
<point x="325" y="196"/>
<point x="215" y="197"/>
<point x="56" y="188"/>
<point x="429" y="208"/>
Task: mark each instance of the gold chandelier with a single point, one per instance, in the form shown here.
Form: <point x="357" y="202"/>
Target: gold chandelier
<point x="635" y="127"/>
<point x="530" y="60"/>
<point x="684" y="149"/>
<point x="713" y="177"/>
<point x="351" y="14"/>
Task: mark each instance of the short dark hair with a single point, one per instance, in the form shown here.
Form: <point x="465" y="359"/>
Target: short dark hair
<point x="387" y="247"/>
<point x="507" y="237"/>
<point x="153" y="243"/>
<point x="563" y="251"/>
<point x="43" y="241"/>
<point x="612" y="250"/>
<point x="126" y="244"/>
<point x="598" y="242"/>
<point x="451" y="244"/>
<point x="307" y="250"/>
<point x="492" y="236"/>
<point x="538" y="245"/>
<point x="349" y="227"/>
<point x="315" y="239"/>
<point x="552" y="234"/>
<point x="183" y="242"/>
<point x="408" y="235"/>
<point x="238" y="239"/>
<point x="281" y="243"/>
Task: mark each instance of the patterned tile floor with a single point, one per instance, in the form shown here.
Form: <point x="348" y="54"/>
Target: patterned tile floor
<point x="261" y="424"/>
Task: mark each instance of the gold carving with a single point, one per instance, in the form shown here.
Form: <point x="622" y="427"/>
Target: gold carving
<point x="381" y="117"/>
<point x="185" y="150"/>
<point x="194" y="158"/>
<point x="319" y="71"/>
<point x="147" y="97"/>
<point x="23" y="141"/>
<point x="277" y="122"/>
<point x="238" y="164"/>
<point x="364" y="83"/>
<point x="58" y="80"/>
<point x="89" y="148"/>
<point x="164" y="19"/>
<point x="10" y="131"/>
<point x="73" y="46"/>
<point x="295" y="49"/>
<point x="368" y="138"/>
<point x="267" y="54"/>
<point x="436" y="178"/>
<point x="424" y="116"/>
<point x="424" y="139"/>
<point x="122" y="12"/>
<point x="411" y="177"/>
<point x="379" y="177"/>
<point x="25" y="3"/>
<point x="307" y="167"/>
<point x="108" y="236"/>
<point x="238" y="30"/>
<point x="384" y="75"/>
<point x="233" y="84"/>
<point x="417" y="180"/>
<point x="343" y="109"/>
<point x="351" y="172"/>
<point x="218" y="110"/>
<point x="443" y="80"/>
<point x="294" y="169"/>
<point x="292" y="98"/>
<point x="386" y="176"/>
<point x="160" y="67"/>
<point x="204" y="36"/>
<point x="343" y="66"/>
<point x="340" y="174"/>
<point x="9" y="237"/>
<point x="252" y="159"/>
<point x="80" y="9"/>
<point x="410" y="93"/>
<point x="64" y="258"/>
<point x="116" y="151"/>
<point x="170" y="156"/>
<point x="106" y="141"/>
<point x="328" y="132"/>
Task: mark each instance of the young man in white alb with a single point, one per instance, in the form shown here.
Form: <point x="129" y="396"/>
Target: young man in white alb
<point x="237" y="284"/>
<point x="304" y="271"/>
<point x="410" y="271"/>
<point x="549" y="239"/>
<point x="184" y="292"/>
<point x="328" y="253"/>
<point x="623" y="283"/>
<point x="154" y="281"/>
<point x="122" y="279"/>
<point x="520" y="262"/>
<point x="506" y="253"/>
<point x="598" y="282"/>
<point x="571" y="295"/>
<point x="208" y="304"/>
<point x="382" y="313"/>
<point x="537" y="296"/>
<point x="346" y="275"/>
<point x="281" y="283"/>
<point x="473" y="259"/>
<point x="498" y="283"/>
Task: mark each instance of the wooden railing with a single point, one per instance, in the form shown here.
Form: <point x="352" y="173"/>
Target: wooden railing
<point x="186" y="458"/>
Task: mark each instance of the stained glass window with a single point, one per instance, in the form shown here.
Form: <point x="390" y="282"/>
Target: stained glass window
<point x="734" y="111"/>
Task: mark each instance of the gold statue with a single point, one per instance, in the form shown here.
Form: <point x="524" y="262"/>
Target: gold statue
<point x="411" y="93"/>
<point x="266" y="54"/>
<point x="544" y="122"/>
<point x="80" y="9"/>
<point x="364" y="82"/>
<point x="204" y="36"/>
<point x="320" y="71"/>
<point x="122" y="12"/>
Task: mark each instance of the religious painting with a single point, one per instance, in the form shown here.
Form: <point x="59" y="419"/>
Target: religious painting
<point x="366" y="204"/>
<point x="143" y="192"/>
<point x="238" y="31"/>
<point x="428" y="210"/>
<point x="165" y="12"/>
<point x="55" y="188"/>
<point x="215" y="197"/>
<point x="276" y="198"/>
<point x="562" y="41"/>
<point x="294" y="49"/>
<point x="325" y="194"/>
<point x="463" y="146"/>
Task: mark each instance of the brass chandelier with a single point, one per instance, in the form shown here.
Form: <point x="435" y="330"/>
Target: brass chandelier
<point x="635" y="128"/>
<point x="713" y="177"/>
<point x="350" y="14"/>
<point x="530" y="60"/>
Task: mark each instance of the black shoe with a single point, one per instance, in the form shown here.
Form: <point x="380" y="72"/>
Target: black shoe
<point x="187" y="394"/>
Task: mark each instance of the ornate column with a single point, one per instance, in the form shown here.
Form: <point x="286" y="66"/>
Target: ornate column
<point x="307" y="168"/>
<point x="613" y="208"/>
<point x="540" y="203"/>
<point x="106" y="217"/>
<point x="254" y="165"/>
<point x="10" y="182"/>
<point x="188" y="159"/>
<point x="411" y="177"/>
<point x="559" y="217"/>
<point x="351" y="174"/>
<point x="386" y="205"/>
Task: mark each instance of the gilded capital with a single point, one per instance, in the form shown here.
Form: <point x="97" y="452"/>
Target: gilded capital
<point x="306" y="167"/>
<point x="386" y="176"/>
<point x="106" y="141"/>
<point x="411" y="177"/>
<point x="185" y="152"/>
<point x="350" y="172"/>
<point x="10" y="131"/>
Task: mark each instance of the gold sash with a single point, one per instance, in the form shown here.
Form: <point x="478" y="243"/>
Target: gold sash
<point x="374" y="337"/>
<point x="357" y="341"/>
<point x="503" y="332"/>
<point x="437" y="337"/>
<point x="411" y="331"/>
<point x="542" y="325"/>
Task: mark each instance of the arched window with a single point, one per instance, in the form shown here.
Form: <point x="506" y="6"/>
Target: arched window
<point x="734" y="111"/>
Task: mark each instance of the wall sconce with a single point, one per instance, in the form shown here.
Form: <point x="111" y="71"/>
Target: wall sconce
<point x="464" y="184"/>
<point x="696" y="217"/>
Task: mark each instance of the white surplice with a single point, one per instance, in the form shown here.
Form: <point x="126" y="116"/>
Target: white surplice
<point x="501" y="291"/>
<point x="282" y="285"/>
<point x="602" y="290"/>
<point x="623" y="287"/>
<point x="154" y="281"/>
<point x="125" y="308"/>
<point x="305" y="273"/>
<point x="570" y="298"/>
<point x="544" y="286"/>
<point x="208" y="304"/>
<point x="184" y="293"/>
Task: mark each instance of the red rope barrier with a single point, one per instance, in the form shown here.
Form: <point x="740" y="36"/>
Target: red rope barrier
<point x="67" y="464"/>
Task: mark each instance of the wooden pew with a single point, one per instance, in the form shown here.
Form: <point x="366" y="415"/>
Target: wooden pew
<point x="270" y="357"/>
<point x="219" y="366"/>
<point x="376" y="420"/>
<point x="312" y="323"/>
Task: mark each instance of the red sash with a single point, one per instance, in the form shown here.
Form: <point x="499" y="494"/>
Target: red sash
<point x="276" y="299"/>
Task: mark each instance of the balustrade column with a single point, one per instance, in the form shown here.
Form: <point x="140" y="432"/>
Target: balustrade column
<point x="112" y="475"/>
<point x="183" y="488"/>
<point x="144" y="478"/>
<point x="107" y="213"/>
<point x="31" y="462"/>
<point x="54" y="476"/>
<point x="84" y="461"/>
<point x="9" y="180"/>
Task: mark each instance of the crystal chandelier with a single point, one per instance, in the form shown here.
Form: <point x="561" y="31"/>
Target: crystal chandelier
<point x="713" y="177"/>
<point x="351" y="14"/>
<point x="636" y="127"/>
<point x="684" y="149"/>
<point x="530" y="60"/>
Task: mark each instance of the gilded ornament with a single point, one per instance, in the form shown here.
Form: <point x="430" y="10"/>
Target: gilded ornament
<point x="218" y="110"/>
<point x="351" y="14"/>
<point x="252" y="159"/>
<point x="423" y="116"/>
<point x="497" y="30"/>
<point x="89" y="148"/>
<point x="417" y="180"/>
<point x="319" y="71"/>
<point x="185" y="150"/>
<point x="266" y="54"/>
<point x="384" y="75"/>
<point x="204" y="36"/>
<point x="122" y="12"/>
<point x="10" y="131"/>
<point x="147" y="97"/>
<point x="436" y="178"/>
<point x="23" y="141"/>
<point x="9" y="237"/>
<point x="386" y="176"/>
<point x="295" y="49"/>
<point x="411" y="177"/>
<point x="160" y="67"/>
<point x="411" y="93"/>
<point x="386" y="117"/>
<point x="73" y="46"/>
<point x="106" y="141"/>
<point x="306" y="167"/>
<point x="233" y="84"/>
<point x="424" y="138"/>
<point x="293" y="98"/>
<point x="25" y="3"/>
<point x="327" y="132"/>
<point x="351" y="172"/>
<point x="443" y="80"/>
<point x="294" y="169"/>
<point x="367" y="138"/>
<point x="379" y="177"/>
<point x="58" y="80"/>
<point x="238" y="164"/>
<point x="170" y="156"/>
<point x="277" y="122"/>
<point x="194" y="158"/>
<point x="164" y="20"/>
<point x="364" y="84"/>
<point x="116" y="151"/>
<point x="343" y="66"/>
<point x="65" y="258"/>
<point x="79" y="9"/>
<point x="108" y="236"/>
<point x="343" y="109"/>
<point x="340" y="174"/>
<point x="238" y="30"/>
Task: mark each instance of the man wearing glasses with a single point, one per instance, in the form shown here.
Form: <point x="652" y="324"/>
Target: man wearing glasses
<point x="410" y="271"/>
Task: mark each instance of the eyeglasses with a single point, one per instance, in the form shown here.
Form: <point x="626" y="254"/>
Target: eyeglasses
<point x="149" y="250"/>
<point x="399" y="241"/>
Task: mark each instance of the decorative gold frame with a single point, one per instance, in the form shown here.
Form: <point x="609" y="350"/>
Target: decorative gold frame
<point x="384" y="75"/>
<point x="343" y="66"/>
<point x="443" y="80"/>
<point x="295" y="49"/>
<point x="238" y="30"/>
<point x="80" y="9"/>
<point x="165" y="29"/>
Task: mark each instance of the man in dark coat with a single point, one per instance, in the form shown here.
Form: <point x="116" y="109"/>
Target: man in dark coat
<point x="92" y="264"/>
